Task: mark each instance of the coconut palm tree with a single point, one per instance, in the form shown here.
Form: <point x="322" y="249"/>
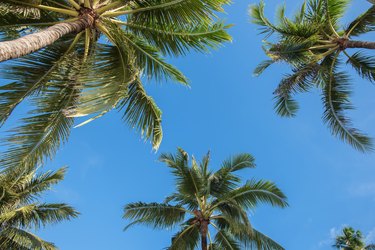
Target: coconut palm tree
<point x="20" y="210"/>
<point x="90" y="57"/>
<point x="351" y="240"/>
<point x="314" y="44"/>
<point x="210" y="206"/>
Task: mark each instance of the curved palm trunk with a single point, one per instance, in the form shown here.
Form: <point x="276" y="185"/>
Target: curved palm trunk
<point x="33" y="42"/>
<point x="360" y="44"/>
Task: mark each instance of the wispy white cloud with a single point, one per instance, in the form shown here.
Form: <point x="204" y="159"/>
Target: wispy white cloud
<point x="333" y="232"/>
<point x="370" y="237"/>
<point x="363" y="190"/>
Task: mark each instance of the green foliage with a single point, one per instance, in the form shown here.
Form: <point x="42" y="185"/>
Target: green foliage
<point x="20" y="210"/>
<point x="308" y="43"/>
<point x="79" y="75"/>
<point x="351" y="239"/>
<point x="217" y="198"/>
<point x="46" y="127"/>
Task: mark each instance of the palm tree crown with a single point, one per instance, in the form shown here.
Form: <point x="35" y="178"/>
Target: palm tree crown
<point x="351" y="240"/>
<point x="208" y="202"/>
<point x="20" y="210"/>
<point x="314" y="45"/>
<point x="90" y="60"/>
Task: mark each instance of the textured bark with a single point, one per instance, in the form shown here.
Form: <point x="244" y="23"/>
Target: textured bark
<point x="360" y="44"/>
<point x="33" y="42"/>
<point x="204" y="230"/>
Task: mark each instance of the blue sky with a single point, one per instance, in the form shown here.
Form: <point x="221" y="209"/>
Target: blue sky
<point x="227" y="111"/>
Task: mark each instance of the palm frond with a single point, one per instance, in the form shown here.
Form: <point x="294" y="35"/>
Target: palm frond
<point x="262" y="67"/>
<point x="188" y="179"/>
<point x="363" y="23"/>
<point x="253" y="193"/>
<point x="141" y="112"/>
<point x="224" y="180"/>
<point x="37" y="215"/>
<point x="147" y="56"/>
<point x="106" y="77"/>
<point x="263" y="242"/>
<point x="40" y="135"/>
<point x="29" y="74"/>
<point x="28" y="186"/>
<point x="178" y="41"/>
<point x="186" y="239"/>
<point x="178" y="12"/>
<point x="299" y="81"/>
<point x="12" y="26"/>
<point x="335" y="9"/>
<point x="225" y="241"/>
<point x="288" y="29"/>
<point x="20" y="210"/>
<point x="154" y="214"/>
<point x="336" y="101"/>
<point x="15" y="238"/>
<point x="363" y="64"/>
<point x="22" y="11"/>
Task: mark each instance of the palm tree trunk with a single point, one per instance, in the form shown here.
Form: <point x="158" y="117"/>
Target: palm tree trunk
<point x="33" y="42"/>
<point x="360" y="44"/>
<point x="204" y="230"/>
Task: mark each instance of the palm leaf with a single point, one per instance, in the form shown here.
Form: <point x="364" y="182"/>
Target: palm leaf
<point x="41" y="134"/>
<point x="252" y="193"/>
<point x="176" y="41"/>
<point x="15" y="238"/>
<point x="363" y="64"/>
<point x="336" y="101"/>
<point x="263" y="242"/>
<point x="363" y="23"/>
<point x="37" y="215"/>
<point x="22" y="11"/>
<point x="106" y="75"/>
<point x="224" y="241"/>
<point x="147" y="56"/>
<point x="299" y="81"/>
<point x="223" y="180"/>
<point x="30" y="74"/>
<point x="154" y="214"/>
<point x="262" y="67"/>
<point x="186" y="239"/>
<point x="141" y="112"/>
<point x="178" y="12"/>
<point x="188" y="179"/>
<point x="12" y="26"/>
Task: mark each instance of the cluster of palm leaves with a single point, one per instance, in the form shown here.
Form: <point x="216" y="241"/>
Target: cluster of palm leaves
<point x="314" y="44"/>
<point x="85" y="73"/>
<point x="98" y="69"/>
<point x="97" y="56"/>
<point x="352" y="240"/>
<point x="210" y="202"/>
<point x="20" y="210"/>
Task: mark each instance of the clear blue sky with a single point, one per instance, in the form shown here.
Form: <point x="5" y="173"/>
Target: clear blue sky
<point x="227" y="111"/>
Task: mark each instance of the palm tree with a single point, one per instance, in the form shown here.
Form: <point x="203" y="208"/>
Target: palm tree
<point x="206" y="200"/>
<point x="314" y="45"/>
<point x="90" y="58"/>
<point x="352" y="240"/>
<point x="20" y="210"/>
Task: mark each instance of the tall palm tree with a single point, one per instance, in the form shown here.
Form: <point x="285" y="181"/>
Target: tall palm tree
<point x="210" y="202"/>
<point x="351" y="240"/>
<point x="90" y="58"/>
<point x="20" y="210"/>
<point x="314" y="44"/>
